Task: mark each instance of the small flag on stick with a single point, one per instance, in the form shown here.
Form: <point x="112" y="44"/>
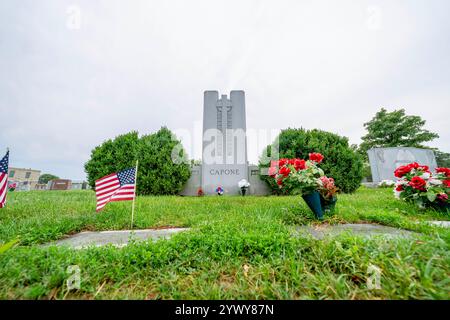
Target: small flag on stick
<point x="4" y="179"/>
<point x="119" y="186"/>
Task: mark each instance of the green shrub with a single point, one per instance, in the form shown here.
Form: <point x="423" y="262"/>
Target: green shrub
<point x="161" y="175"/>
<point x="342" y="161"/>
<point x="157" y="173"/>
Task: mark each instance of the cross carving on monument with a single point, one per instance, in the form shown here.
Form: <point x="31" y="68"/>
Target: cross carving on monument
<point x="224" y="104"/>
<point x="223" y="120"/>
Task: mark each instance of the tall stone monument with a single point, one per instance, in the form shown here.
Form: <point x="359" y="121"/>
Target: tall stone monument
<point x="224" y="158"/>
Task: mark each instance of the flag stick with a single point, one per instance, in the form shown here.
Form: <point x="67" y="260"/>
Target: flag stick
<point x="134" y="199"/>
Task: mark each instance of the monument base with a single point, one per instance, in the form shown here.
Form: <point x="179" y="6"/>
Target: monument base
<point x="257" y="186"/>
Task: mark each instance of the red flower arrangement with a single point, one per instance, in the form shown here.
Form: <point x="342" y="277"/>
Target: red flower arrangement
<point x="445" y="171"/>
<point x="297" y="176"/>
<point x="401" y="171"/>
<point x="419" y="185"/>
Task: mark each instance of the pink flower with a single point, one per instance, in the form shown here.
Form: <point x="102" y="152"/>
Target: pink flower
<point x="273" y="171"/>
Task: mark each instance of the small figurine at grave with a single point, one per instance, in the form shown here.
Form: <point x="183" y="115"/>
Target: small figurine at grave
<point x="219" y="191"/>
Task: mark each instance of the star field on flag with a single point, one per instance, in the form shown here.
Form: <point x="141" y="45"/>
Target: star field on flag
<point x="119" y="186"/>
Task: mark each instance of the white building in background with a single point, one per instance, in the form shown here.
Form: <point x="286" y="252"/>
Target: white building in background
<point x="26" y="179"/>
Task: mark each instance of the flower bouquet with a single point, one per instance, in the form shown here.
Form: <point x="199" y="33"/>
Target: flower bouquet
<point x="417" y="184"/>
<point x="12" y="186"/>
<point x="299" y="176"/>
<point x="243" y="185"/>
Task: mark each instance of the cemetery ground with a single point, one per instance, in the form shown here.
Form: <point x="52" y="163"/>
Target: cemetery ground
<point x="237" y="248"/>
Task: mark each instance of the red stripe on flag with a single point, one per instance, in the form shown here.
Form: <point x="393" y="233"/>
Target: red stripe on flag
<point x="102" y="192"/>
<point x="106" y="184"/>
<point x="105" y="177"/>
<point x="3" y="188"/>
<point x="108" y="189"/>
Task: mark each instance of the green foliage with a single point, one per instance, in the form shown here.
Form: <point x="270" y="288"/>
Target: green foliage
<point x="395" y="129"/>
<point x="367" y="172"/>
<point x="157" y="173"/>
<point x="238" y="248"/>
<point x="113" y="155"/>
<point x="46" y="177"/>
<point x="442" y="159"/>
<point x="341" y="161"/>
<point x="160" y="174"/>
<point x="6" y="246"/>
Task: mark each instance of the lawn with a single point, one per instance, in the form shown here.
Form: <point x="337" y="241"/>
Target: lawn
<point x="238" y="248"/>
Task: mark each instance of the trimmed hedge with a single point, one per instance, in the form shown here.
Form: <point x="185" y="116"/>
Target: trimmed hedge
<point x="157" y="173"/>
<point x="342" y="161"/>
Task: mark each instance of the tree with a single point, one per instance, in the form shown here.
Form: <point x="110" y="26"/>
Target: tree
<point x="157" y="174"/>
<point x="46" y="177"/>
<point x="395" y="129"/>
<point x="112" y="156"/>
<point x="442" y="158"/>
<point x="342" y="161"/>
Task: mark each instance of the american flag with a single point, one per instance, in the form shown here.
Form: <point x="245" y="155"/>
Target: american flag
<point x="4" y="179"/>
<point x="119" y="186"/>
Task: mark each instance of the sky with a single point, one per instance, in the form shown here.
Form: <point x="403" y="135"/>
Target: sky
<point x="76" y="73"/>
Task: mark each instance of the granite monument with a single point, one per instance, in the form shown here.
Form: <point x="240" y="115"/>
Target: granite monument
<point x="224" y="148"/>
<point x="384" y="161"/>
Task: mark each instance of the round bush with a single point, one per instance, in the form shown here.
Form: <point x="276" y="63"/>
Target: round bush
<point x="342" y="161"/>
<point x="157" y="173"/>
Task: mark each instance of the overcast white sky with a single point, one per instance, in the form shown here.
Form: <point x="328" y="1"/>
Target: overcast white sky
<point x="138" y="65"/>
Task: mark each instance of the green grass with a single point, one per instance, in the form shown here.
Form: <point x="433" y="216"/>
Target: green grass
<point x="238" y="248"/>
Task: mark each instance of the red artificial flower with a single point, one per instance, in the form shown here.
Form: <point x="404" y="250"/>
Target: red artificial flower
<point x="273" y="171"/>
<point x="402" y="170"/>
<point x="299" y="164"/>
<point x="446" y="183"/>
<point x="316" y="157"/>
<point x="285" y="171"/>
<point x="442" y="197"/>
<point x="399" y="188"/>
<point x="282" y="162"/>
<point x="413" y="165"/>
<point x="280" y="182"/>
<point x="446" y="171"/>
<point x="417" y="166"/>
<point x="418" y="183"/>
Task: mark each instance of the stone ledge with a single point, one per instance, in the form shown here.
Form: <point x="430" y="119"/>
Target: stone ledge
<point x="117" y="238"/>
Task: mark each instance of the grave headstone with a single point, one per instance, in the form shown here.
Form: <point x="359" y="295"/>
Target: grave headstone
<point x="384" y="161"/>
<point x="224" y="158"/>
<point x="59" y="184"/>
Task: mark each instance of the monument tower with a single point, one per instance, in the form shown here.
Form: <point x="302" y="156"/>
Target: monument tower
<point x="224" y="157"/>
